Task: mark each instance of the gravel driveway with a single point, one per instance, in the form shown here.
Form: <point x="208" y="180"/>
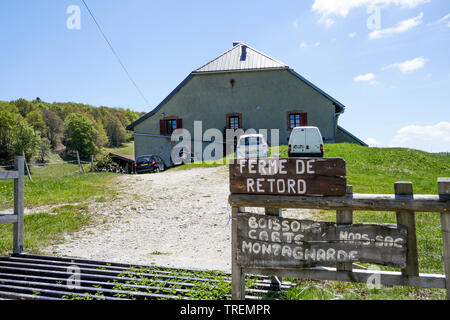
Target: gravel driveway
<point x="176" y="218"/>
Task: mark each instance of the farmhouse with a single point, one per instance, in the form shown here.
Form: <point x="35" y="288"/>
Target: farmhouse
<point x="241" y="89"/>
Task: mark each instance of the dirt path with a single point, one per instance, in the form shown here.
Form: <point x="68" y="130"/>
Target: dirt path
<point x="174" y="218"/>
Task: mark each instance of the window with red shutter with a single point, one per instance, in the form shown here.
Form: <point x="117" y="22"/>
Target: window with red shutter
<point x="296" y="119"/>
<point x="169" y="124"/>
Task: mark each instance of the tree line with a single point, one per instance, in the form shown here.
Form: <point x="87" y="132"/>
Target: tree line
<point x="37" y="127"/>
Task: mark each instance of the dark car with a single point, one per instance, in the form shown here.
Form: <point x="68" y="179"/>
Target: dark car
<point x="149" y="163"/>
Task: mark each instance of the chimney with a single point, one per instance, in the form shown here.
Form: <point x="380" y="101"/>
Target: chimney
<point x="243" y="53"/>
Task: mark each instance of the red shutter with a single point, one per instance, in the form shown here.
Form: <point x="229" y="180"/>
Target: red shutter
<point x="162" y="127"/>
<point x="303" y="119"/>
<point x="179" y="123"/>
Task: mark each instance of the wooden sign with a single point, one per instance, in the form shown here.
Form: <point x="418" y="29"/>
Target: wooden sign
<point x="274" y="242"/>
<point x="290" y="176"/>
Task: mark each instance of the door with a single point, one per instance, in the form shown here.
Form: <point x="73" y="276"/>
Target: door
<point x="299" y="143"/>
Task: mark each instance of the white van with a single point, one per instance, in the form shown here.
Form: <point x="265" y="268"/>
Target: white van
<point x="305" y="142"/>
<point x="252" y="146"/>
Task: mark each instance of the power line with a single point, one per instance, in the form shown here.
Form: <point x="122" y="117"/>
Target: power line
<point x="114" y="52"/>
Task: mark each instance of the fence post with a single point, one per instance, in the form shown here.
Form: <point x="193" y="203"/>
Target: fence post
<point x="19" y="184"/>
<point x="275" y="282"/>
<point x="80" y="167"/>
<point x="407" y="219"/>
<point x="79" y="164"/>
<point x="237" y="274"/>
<point x="26" y="166"/>
<point x="92" y="163"/>
<point x="444" y="194"/>
<point x="345" y="217"/>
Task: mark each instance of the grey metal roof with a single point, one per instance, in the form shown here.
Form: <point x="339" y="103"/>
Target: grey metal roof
<point x="241" y="57"/>
<point x="232" y="60"/>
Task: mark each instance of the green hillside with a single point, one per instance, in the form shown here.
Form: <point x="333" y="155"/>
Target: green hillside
<point x="38" y="128"/>
<point x="375" y="170"/>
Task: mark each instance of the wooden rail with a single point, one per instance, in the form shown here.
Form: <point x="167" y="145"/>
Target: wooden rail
<point x="366" y="202"/>
<point x="403" y="202"/>
<point x="17" y="217"/>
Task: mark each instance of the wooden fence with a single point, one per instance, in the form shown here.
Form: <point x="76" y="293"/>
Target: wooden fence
<point x="403" y="202"/>
<point x="17" y="217"/>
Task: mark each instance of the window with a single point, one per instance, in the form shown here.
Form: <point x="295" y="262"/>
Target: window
<point x="296" y="119"/>
<point x="143" y="159"/>
<point x="234" y="121"/>
<point x="254" y="141"/>
<point x="171" y="125"/>
<point x="168" y="125"/>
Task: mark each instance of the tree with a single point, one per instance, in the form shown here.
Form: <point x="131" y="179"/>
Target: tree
<point x="8" y="106"/>
<point x="8" y="122"/>
<point x="54" y="125"/>
<point x="131" y="115"/>
<point x="43" y="150"/>
<point x="36" y="120"/>
<point x="80" y="134"/>
<point x="101" y="138"/>
<point x="25" y="141"/>
<point x="24" y="106"/>
<point x="115" y="132"/>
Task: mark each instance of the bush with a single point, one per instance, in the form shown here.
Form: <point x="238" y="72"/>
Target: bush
<point x="104" y="163"/>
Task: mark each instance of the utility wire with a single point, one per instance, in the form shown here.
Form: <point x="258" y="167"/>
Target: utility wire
<point x="115" y="53"/>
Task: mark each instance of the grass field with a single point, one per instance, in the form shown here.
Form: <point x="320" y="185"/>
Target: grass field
<point x="54" y="184"/>
<point x="45" y="227"/>
<point x="126" y="148"/>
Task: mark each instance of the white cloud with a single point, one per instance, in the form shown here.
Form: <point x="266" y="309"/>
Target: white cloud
<point x="368" y="77"/>
<point x="342" y="7"/>
<point x="445" y="18"/>
<point x="372" y="142"/>
<point x="401" y="27"/>
<point x="408" y="65"/>
<point x="327" y="21"/>
<point x="312" y="45"/>
<point x="352" y="35"/>
<point x="435" y="138"/>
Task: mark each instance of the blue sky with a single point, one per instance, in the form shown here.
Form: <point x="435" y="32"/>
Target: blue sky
<point x="388" y="64"/>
